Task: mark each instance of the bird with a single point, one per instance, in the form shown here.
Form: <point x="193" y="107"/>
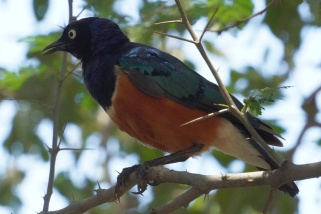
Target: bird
<point x="151" y="94"/>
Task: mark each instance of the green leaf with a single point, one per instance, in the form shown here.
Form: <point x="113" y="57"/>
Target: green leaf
<point x="228" y="13"/>
<point x="13" y="81"/>
<point x="260" y="97"/>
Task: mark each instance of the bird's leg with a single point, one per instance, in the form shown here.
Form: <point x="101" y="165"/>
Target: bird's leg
<point x="141" y="169"/>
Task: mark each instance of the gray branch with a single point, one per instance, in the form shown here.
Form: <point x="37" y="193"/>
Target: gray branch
<point x="200" y="184"/>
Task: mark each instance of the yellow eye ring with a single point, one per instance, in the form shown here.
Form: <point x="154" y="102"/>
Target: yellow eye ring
<point x="72" y="34"/>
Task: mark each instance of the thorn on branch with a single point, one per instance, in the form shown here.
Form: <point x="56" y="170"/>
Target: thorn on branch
<point x="169" y="22"/>
<point x="206" y="196"/>
<point x="206" y="116"/>
<point x="175" y="37"/>
<point x="54" y="150"/>
<point x="98" y="185"/>
<point x="75" y="149"/>
<point x="224" y="177"/>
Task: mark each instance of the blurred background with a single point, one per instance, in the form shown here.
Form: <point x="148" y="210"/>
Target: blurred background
<point x="280" y="47"/>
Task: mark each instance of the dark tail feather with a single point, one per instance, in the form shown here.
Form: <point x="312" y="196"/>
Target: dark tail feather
<point x="291" y="189"/>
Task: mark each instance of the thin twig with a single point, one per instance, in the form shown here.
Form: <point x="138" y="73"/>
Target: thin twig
<point x="72" y="71"/>
<point x="268" y="201"/>
<point x="208" y="24"/>
<point x="55" y="147"/>
<point x="56" y="110"/>
<point x="82" y="10"/>
<point x="311" y="122"/>
<point x="186" y="21"/>
<point x="182" y="200"/>
<point x="244" y="20"/>
<point x="75" y="149"/>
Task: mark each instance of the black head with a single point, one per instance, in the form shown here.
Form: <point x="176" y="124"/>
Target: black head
<point x="88" y="37"/>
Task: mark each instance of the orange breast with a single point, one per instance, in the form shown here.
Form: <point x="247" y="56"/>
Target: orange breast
<point x="157" y="121"/>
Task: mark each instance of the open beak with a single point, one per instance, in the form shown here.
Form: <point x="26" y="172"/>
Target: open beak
<point x="56" y="46"/>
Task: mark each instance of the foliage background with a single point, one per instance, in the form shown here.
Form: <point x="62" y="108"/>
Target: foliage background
<point x="273" y="49"/>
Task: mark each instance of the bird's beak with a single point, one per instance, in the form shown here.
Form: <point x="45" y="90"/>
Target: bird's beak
<point x="56" y="46"/>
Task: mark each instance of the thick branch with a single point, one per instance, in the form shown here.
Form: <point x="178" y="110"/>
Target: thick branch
<point x="275" y="178"/>
<point x="201" y="184"/>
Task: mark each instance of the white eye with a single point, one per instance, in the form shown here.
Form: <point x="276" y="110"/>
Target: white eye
<point x="72" y="34"/>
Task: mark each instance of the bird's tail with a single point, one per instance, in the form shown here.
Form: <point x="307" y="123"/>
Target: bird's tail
<point x="291" y="188"/>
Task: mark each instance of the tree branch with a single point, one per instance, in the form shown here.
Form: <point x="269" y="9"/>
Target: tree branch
<point x="54" y="150"/>
<point x="200" y="184"/>
<point x="182" y="200"/>
<point x="55" y="147"/>
<point x="311" y="108"/>
<point x="102" y="196"/>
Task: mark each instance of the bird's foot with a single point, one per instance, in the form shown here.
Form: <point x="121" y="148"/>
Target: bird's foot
<point x="142" y="181"/>
<point x="121" y="179"/>
<point x="141" y="170"/>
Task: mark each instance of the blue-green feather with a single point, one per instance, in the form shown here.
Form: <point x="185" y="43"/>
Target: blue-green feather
<point x="178" y="81"/>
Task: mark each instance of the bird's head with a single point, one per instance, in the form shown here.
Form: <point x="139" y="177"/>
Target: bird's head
<point x="88" y="37"/>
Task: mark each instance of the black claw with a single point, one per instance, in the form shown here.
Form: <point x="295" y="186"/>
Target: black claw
<point x="121" y="179"/>
<point x="141" y="175"/>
